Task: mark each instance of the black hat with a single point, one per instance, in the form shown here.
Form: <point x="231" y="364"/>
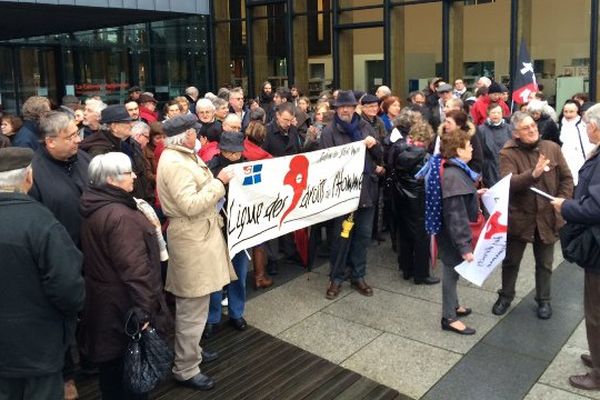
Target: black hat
<point x="12" y="158"/>
<point x="345" y="98"/>
<point x="232" y="141"/>
<point x="358" y="94"/>
<point x="145" y="98"/>
<point x="494" y="88"/>
<point x="444" y="87"/>
<point x="369" y="99"/>
<point x="114" y="113"/>
<point x="134" y="89"/>
<point x="175" y="126"/>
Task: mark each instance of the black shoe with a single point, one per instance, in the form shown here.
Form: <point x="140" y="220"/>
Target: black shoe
<point x="209" y="356"/>
<point x="209" y="331"/>
<point x="429" y="280"/>
<point x="238" y="323"/>
<point x="500" y="306"/>
<point x="463" y="313"/>
<point x="200" y="382"/>
<point x="544" y="310"/>
<point x="272" y="268"/>
<point x="406" y="275"/>
<point x="447" y="327"/>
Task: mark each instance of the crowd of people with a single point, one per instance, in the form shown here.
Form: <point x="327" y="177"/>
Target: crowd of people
<point x="109" y="208"/>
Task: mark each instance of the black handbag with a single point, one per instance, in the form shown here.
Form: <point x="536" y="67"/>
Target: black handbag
<point x="581" y="244"/>
<point x="148" y="358"/>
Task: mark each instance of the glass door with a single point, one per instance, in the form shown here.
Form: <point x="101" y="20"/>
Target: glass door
<point x="38" y="75"/>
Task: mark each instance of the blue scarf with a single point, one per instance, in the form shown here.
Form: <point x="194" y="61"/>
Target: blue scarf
<point x="351" y="128"/>
<point x="463" y="165"/>
<point x="433" y="194"/>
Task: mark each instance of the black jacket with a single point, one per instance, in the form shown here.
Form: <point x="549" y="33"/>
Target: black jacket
<point x="492" y="139"/>
<point x="548" y="129"/>
<point x="459" y="207"/>
<point x="27" y="136"/>
<point x="58" y="185"/>
<point x="122" y="270"/>
<point x="333" y="135"/>
<point x="279" y="144"/>
<point x="585" y="206"/>
<point x="41" y="288"/>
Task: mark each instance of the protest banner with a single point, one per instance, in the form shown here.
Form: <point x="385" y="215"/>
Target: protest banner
<point x="272" y="197"/>
<point x="491" y="246"/>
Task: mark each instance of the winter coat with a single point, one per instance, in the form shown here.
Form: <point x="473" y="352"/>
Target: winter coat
<point x="199" y="261"/>
<point x="253" y="152"/>
<point x="121" y="269"/>
<point x="151" y="164"/>
<point x="476" y="163"/>
<point x="41" y="288"/>
<point x="148" y="116"/>
<point x="4" y="141"/>
<point x="459" y="207"/>
<point x="333" y="135"/>
<point x="27" y="136"/>
<point x="548" y="129"/>
<point x="408" y="195"/>
<point x="492" y="138"/>
<point x="527" y="211"/>
<point x="279" y="144"/>
<point x="584" y="208"/>
<point x="479" y="109"/>
<point x="208" y="151"/>
<point x="58" y="185"/>
<point x="575" y="145"/>
<point x="378" y="126"/>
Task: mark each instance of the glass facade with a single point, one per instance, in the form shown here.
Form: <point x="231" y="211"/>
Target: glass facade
<point x="163" y="57"/>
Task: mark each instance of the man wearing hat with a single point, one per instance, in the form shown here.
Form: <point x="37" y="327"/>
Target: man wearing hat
<point x="134" y="93"/>
<point x="494" y="95"/>
<point x="116" y="136"/>
<point x="231" y="146"/>
<point x="369" y="110"/>
<point x="198" y="258"/>
<point x="444" y="92"/>
<point x="41" y="287"/>
<point x="347" y="127"/>
<point x="148" y="112"/>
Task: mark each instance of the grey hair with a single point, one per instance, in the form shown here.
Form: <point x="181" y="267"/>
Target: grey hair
<point x="406" y="119"/>
<point x="236" y="90"/>
<point x="541" y="107"/>
<point x="110" y="165"/>
<point x="210" y="96"/>
<point x="139" y="127"/>
<point x="518" y="117"/>
<point x="177" y="140"/>
<point x="485" y="81"/>
<point x="192" y="91"/>
<point x="13" y="179"/>
<point x="232" y="118"/>
<point x="35" y="107"/>
<point x="219" y="102"/>
<point x="593" y="115"/>
<point x="454" y="102"/>
<point x="385" y="90"/>
<point x="96" y="105"/>
<point x="53" y="123"/>
<point x="205" y="103"/>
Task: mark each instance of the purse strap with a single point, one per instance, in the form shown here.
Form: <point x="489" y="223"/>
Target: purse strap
<point x="133" y="334"/>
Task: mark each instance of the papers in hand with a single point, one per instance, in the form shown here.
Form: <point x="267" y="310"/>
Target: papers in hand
<point x="542" y="193"/>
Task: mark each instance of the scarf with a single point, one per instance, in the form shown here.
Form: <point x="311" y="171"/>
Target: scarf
<point x="490" y="123"/>
<point x="433" y="193"/>
<point x="463" y="165"/>
<point x="151" y="216"/>
<point x="351" y="128"/>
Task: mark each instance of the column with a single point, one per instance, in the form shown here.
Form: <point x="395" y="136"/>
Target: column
<point x="399" y="80"/>
<point x="221" y="43"/>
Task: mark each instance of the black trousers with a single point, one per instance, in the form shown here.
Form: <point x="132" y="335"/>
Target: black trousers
<point x="47" y="387"/>
<point x="111" y="382"/>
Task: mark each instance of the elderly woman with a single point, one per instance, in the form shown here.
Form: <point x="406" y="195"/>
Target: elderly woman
<point x="492" y="135"/>
<point x="545" y="118"/>
<point x="459" y="207"/>
<point x="221" y="109"/>
<point x="391" y="109"/>
<point x="121" y="269"/>
<point x="210" y="131"/>
<point x="199" y="262"/>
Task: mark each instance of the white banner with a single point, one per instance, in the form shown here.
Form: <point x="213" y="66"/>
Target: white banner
<point x="491" y="246"/>
<point x="272" y="197"/>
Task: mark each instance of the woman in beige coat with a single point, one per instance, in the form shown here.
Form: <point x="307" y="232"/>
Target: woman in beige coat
<point x="199" y="262"/>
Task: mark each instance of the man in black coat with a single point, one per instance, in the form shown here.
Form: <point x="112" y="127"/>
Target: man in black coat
<point x="282" y="137"/>
<point x="41" y="287"/>
<point x="348" y="127"/>
<point x="60" y="171"/>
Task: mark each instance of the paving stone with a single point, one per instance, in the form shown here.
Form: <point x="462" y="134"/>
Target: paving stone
<point x="330" y="337"/>
<point x="545" y="392"/>
<point x="402" y="364"/>
<point x="408" y="317"/>
<point x="579" y="337"/>
<point x="567" y="287"/>
<point x="488" y="373"/>
<point x="285" y="306"/>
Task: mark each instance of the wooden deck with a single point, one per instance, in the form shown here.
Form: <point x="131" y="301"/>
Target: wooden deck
<point x="255" y="365"/>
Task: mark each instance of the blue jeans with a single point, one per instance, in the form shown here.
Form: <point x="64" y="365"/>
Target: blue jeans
<point x="236" y="292"/>
<point x="356" y="246"/>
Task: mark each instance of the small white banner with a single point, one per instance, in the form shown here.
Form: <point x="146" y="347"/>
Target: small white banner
<point x="491" y="246"/>
<point x="272" y="197"/>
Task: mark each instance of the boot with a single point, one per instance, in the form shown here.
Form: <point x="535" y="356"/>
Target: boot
<point x="259" y="261"/>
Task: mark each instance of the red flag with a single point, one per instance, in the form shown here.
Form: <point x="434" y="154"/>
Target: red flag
<point x="525" y="81"/>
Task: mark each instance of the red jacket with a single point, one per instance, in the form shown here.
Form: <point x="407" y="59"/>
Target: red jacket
<point x="254" y="152"/>
<point x="147" y="115"/>
<point x="479" y="109"/>
<point x="208" y="151"/>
